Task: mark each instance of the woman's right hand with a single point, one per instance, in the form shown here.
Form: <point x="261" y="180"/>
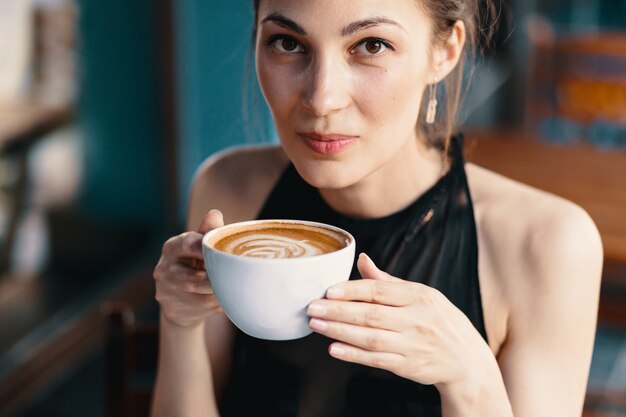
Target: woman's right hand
<point x="182" y="286"/>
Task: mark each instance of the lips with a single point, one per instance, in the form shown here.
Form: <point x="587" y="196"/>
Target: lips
<point x="327" y="144"/>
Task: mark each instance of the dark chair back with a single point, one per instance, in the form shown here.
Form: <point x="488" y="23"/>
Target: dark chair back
<point x="130" y="360"/>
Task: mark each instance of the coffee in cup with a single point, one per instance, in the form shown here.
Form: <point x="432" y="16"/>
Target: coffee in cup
<point x="278" y="240"/>
<point x="265" y="273"/>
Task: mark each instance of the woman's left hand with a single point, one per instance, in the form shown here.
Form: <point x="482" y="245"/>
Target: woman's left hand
<point x="404" y="327"/>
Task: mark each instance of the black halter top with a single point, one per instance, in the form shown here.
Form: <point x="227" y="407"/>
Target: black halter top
<point x="432" y="241"/>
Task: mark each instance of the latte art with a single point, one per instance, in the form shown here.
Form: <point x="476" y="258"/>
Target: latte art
<point x="268" y="246"/>
<point x="277" y="241"/>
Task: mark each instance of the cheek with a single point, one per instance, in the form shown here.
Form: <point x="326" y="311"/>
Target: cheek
<point x="277" y="87"/>
<point x="391" y="95"/>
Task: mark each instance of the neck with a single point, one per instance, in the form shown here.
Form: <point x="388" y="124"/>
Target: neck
<point x="392" y="187"/>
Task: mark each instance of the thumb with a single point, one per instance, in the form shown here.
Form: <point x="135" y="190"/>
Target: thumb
<point x="212" y="220"/>
<point x="369" y="270"/>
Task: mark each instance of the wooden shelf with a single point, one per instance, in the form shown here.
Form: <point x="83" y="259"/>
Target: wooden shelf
<point x="22" y="123"/>
<point x="21" y="126"/>
<point x="592" y="178"/>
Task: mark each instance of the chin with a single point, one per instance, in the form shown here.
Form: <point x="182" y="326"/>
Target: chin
<point x="327" y="174"/>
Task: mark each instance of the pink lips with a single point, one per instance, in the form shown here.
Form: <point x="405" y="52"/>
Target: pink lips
<point x="327" y="144"/>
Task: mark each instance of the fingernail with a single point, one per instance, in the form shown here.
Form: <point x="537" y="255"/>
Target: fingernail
<point x="317" y="324"/>
<point x="316" y="309"/>
<point x="337" y="351"/>
<point x="371" y="262"/>
<point x="334" y="292"/>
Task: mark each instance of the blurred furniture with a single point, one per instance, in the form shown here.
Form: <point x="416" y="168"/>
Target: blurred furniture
<point x="590" y="177"/>
<point x="602" y="414"/>
<point x="605" y="404"/>
<point x="57" y="329"/>
<point x="21" y="126"/>
<point x="577" y="86"/>
<point x="16" y="33"/>
<point x="130" y="360"/>
<point x="51" y="324"/>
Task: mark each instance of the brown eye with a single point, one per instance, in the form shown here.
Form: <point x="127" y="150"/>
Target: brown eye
<point x="288" y="44"/>
<point x="373" y="47"/>
<point x="285" y="45"/>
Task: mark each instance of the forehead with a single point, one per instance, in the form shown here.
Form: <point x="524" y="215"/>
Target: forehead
<point x="333" y="15"/>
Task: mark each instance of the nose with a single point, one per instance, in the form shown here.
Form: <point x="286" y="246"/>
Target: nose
<point x="325" y="87"/>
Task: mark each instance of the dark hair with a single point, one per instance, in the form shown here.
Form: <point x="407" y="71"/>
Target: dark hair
<point x="480" y="18"/>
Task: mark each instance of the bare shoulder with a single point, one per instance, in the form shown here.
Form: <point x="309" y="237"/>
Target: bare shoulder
<point x="540" y="263"/>
<point x="530" y="226"/>
<point x="236" y="181"/>
<point x="534" y="244"/>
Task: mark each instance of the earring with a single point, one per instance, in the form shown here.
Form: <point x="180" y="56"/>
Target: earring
<point x="432" y="103"/>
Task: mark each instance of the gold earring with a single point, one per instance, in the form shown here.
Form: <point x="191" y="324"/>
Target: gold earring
<point x="432" y="103"/>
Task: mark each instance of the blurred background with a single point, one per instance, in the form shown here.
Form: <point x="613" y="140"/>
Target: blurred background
<point x="107" y="108"/>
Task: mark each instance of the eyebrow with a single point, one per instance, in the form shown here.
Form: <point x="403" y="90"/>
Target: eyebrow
<point x="285" y="22"/>
<point x="352" y="28"/>
<point x="367" y="23"/>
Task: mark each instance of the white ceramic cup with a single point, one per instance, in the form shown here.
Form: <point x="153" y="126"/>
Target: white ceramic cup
<point x="268" y="298"/>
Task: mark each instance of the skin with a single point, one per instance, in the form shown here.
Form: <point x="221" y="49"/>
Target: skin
<point x="540" y="257"/>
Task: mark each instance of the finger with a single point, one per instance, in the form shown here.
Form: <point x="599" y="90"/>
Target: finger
<point x="359" y="314"/>
<point x="212" y="220"/>
<point x="374" y="340"/>
<point x="191" y="280"/>
<point x="199" y="287"/>
<point x="185" y="246"/>
<point x="383" y="360"/>
<point x="390" y="293"/>
<point x="369" y="270"/>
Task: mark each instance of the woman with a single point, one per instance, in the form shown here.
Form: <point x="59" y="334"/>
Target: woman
<point x="485" y="296"/>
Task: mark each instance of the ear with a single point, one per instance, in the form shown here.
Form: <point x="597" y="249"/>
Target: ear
<point x="446" y="56"/>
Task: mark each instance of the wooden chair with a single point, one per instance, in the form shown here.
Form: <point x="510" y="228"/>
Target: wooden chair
<point x="130" y="359"/>
<point x="604" y="403"/>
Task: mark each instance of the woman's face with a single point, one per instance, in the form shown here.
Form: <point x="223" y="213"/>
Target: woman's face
<point x="344" y="80"/>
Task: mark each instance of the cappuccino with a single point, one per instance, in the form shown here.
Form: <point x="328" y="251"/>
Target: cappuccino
<point x="266" y="272"/>
<point x="276" y="240"/>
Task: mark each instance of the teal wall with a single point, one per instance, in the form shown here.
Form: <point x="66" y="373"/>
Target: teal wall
<point x="120" y="108"/>
<point x="119" y="111"/>
<point x="212" y="45"/>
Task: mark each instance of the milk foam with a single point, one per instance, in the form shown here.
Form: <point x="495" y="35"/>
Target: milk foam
<point x="271" y="246"/>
